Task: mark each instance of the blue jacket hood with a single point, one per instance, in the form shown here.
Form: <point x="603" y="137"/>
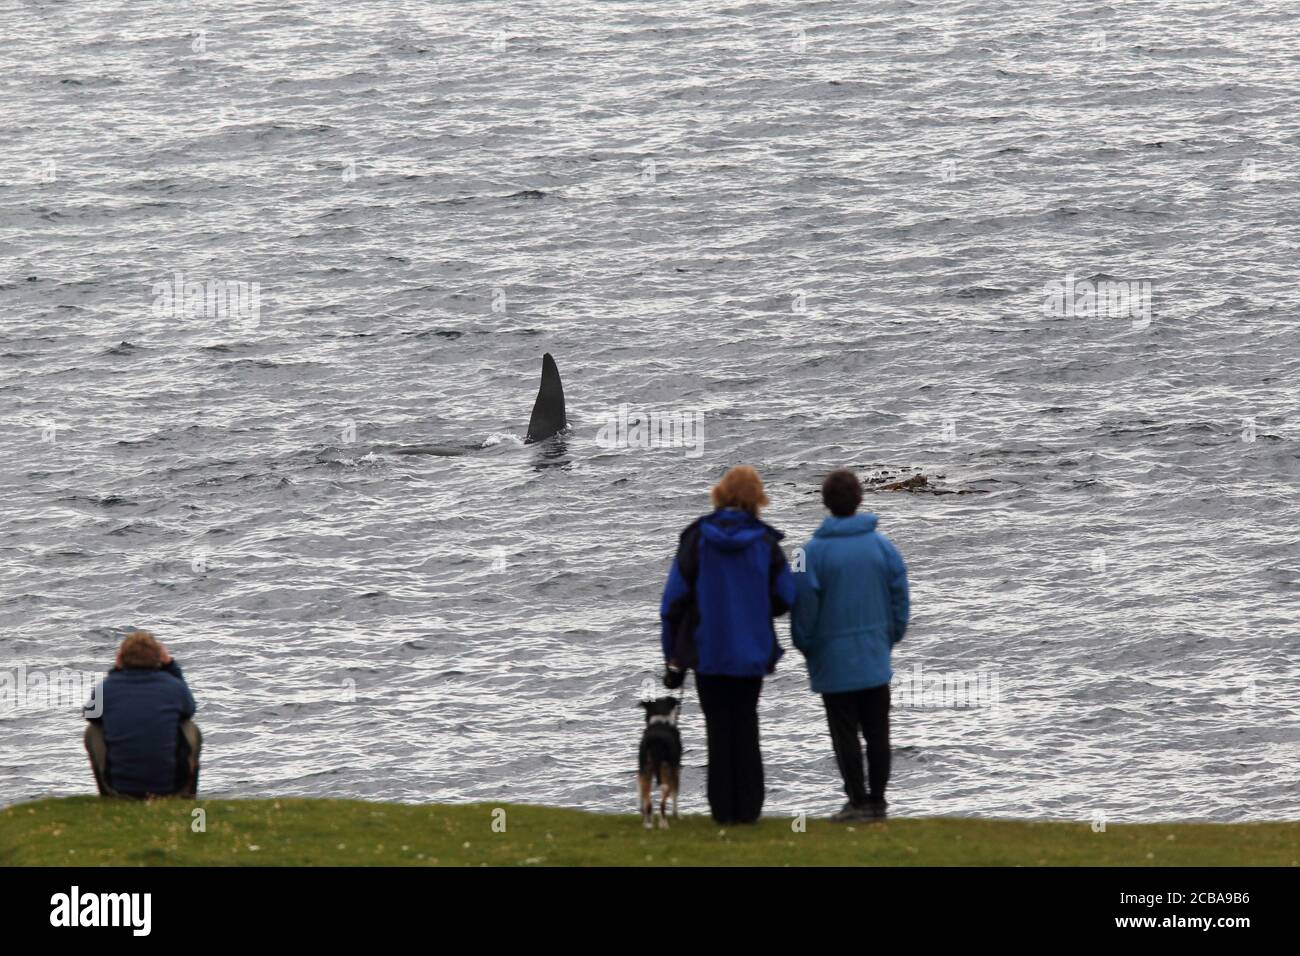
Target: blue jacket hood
<point x="730" y="529"/>
<point x="728" y="580"/>
<point x="834" y="527"/>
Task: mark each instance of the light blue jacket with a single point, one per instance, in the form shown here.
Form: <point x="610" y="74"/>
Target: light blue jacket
<point x="851" y="605"/>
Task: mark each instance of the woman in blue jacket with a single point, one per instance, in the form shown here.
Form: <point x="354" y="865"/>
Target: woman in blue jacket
<point x="728" y="581"/>
<point x="852" y="609"/>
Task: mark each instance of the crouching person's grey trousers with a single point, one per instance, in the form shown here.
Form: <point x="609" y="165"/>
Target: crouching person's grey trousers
<point x="189" y="744"/>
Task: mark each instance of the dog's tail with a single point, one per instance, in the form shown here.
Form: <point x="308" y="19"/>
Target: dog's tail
<point x="660" y="757"/>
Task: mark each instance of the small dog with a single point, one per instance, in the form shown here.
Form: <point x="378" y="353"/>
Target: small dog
<point x="660" y="759"/>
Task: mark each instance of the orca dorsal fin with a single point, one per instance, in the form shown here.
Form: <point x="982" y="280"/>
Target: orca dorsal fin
<point x="548" y="416"/>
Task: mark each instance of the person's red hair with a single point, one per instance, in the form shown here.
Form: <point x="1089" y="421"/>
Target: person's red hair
<point x="742" y="488"/>
<point x="140" y="649"/>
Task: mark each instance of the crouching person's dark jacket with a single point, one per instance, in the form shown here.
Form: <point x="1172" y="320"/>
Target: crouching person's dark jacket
<point x="140" y="711"/>
<point x="728" y="580"/>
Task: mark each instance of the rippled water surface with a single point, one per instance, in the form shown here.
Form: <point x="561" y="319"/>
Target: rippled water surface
<point x="825" y="226"/>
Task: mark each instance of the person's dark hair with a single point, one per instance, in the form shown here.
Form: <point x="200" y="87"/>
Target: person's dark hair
<point x="842" y="492"/>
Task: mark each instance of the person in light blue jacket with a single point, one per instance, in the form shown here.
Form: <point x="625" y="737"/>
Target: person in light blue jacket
<point x="851" y="608"/>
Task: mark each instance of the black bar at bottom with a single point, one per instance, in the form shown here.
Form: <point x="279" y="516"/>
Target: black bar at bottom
<point x="333" y="906"/>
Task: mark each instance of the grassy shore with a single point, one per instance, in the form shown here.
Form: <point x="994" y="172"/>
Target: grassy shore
<point x="86" y="831"/>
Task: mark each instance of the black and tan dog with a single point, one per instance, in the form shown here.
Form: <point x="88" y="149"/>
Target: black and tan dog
<point x="660" y="759"/>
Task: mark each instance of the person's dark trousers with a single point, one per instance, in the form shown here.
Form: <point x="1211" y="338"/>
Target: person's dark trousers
<point x="97" y="750"/>
<point x="189" y="746"/>
<point x="735" y="784"/>
<point x="847" y="714"/>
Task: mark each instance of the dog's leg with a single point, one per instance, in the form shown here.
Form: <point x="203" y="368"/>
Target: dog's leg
<point x="647" y="802"/>
<point x="677" y="784"/>
<point x="666" y="783"/>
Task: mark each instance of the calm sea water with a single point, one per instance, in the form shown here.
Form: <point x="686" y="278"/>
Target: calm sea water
<point x="824" y="227"/>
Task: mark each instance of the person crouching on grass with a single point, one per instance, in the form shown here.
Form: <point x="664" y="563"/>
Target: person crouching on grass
<point x="139" y="735"/>
<point x="852" y="608"/>
<point x="728" y="581"/>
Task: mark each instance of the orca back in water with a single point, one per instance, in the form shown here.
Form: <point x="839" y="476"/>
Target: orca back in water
<point x="443" y="451"/>
<point x="548" y="416"/>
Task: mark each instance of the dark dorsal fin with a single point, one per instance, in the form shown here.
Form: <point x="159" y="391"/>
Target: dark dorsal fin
<point x="548" y="411"/>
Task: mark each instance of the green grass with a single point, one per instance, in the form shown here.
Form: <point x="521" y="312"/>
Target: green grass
<point x="87" y="831"/>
